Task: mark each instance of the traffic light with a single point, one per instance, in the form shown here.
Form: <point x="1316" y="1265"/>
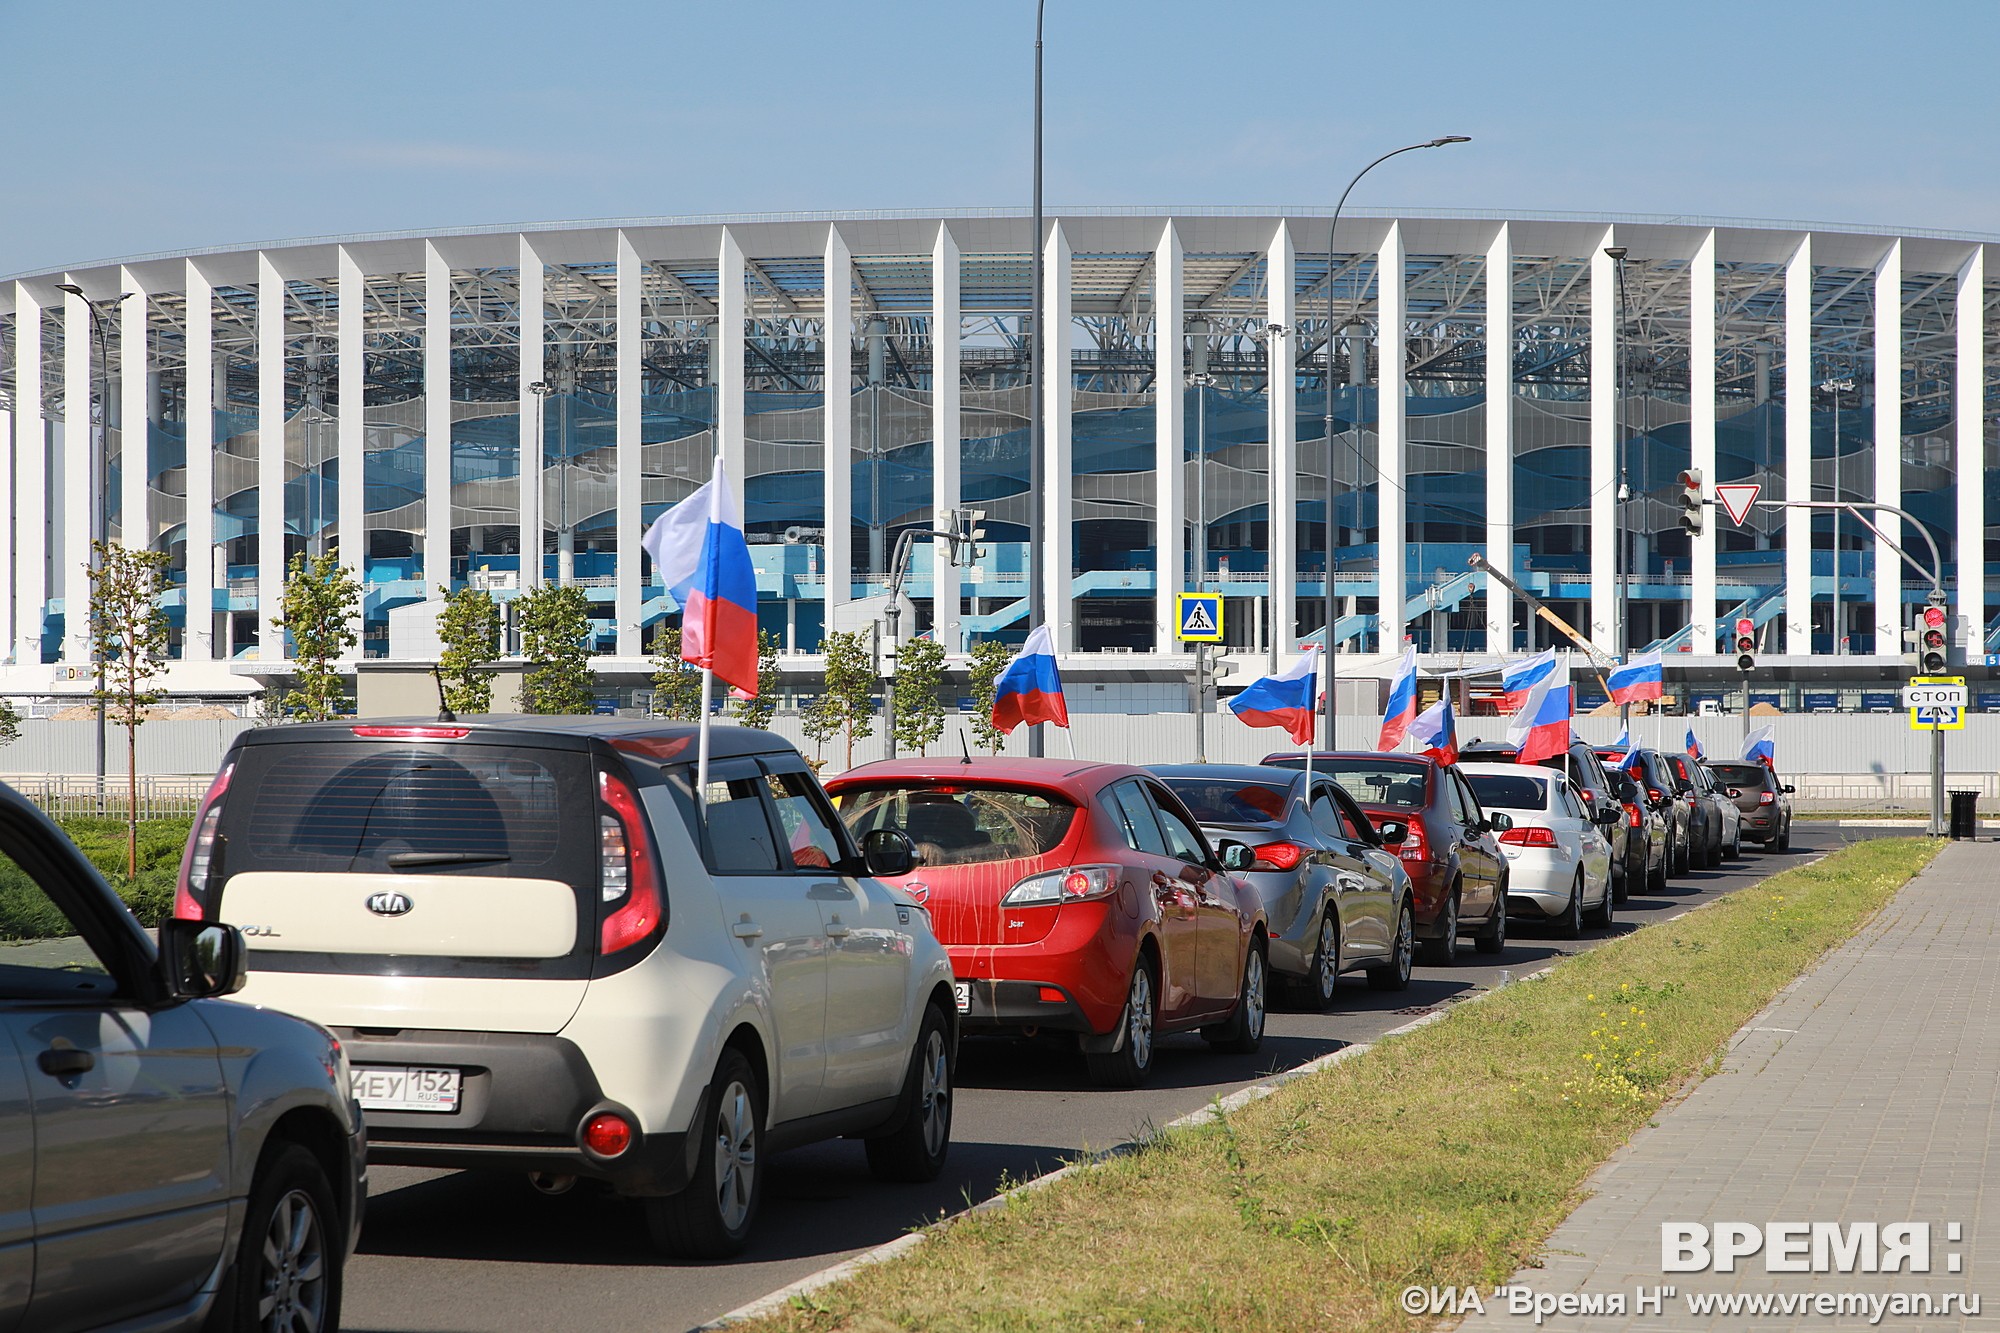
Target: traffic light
<point x="1931" y="642"/>
<point x="1692" y="501"/>
<point x="1746" y="643"/>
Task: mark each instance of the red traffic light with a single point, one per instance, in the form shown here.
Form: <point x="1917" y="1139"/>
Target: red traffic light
<point x="1934" y="617"/>
<point x="1746" y="626"/>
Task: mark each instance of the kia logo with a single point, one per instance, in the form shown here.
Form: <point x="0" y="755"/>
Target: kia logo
<point x="918" y="890"/>
<point x="389" y="904"/>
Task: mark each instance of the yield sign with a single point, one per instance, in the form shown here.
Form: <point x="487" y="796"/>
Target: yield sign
<point x="1737" y="499"/>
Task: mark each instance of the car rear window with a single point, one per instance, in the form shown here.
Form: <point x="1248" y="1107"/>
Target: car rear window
<point x="957" y="825"/>
<point x="1740" y="775"/>
<point x="1513" y="791"/>
<point x="1379" y="782"/>
<point x="1232" y="802"/>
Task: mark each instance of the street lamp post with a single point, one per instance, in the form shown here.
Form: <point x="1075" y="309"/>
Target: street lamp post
<point x="1622" y="558"/>
<point x="1198" y="328"/>
<point x="533" y="550"/>
<point x="1057" y="530"/>
<point x="100" y="483"/>
<point x="1331" y="228"/>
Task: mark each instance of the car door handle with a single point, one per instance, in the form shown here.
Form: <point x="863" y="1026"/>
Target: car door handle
<point x="836" y="930"/>
<point x="746" y="929"/>
<point x="66" y="1061"/>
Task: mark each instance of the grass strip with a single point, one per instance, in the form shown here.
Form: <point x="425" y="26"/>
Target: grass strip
<point x="1444" y="1157"/>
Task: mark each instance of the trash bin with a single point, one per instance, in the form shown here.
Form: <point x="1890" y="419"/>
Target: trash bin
<point x="1965" y="814"/>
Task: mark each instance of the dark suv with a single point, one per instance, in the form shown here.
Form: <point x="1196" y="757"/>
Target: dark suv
<point x="1649" y="768"/>
<point x="1705" y="798"/>
<point x="1766" y="803"/>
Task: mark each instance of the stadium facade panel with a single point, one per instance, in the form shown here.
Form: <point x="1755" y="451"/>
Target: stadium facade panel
<point x="511" y="407"/>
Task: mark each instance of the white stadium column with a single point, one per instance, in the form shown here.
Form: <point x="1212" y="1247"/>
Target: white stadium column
<point x="534" y="408"/>
<point x="1701" y="440"/>
<point x="31" y="451"/>
<point x="1054" y="534"/>
<point x="350" y="443"/>
<point x="198" y="639"/>
<point x="81" y="468"/>
<point x="945" y="436"/>
<point x="1500" y="437"/>
<point x="837" y="551"/>
<point x="1889" y="451"/>
<point x="9" y="450"/>
<point x="135" y="362"/>
<point x="1282" y="542"/>
<point x="437" y="423"/>
<point x="1392" y="499"/>
<point x="729" y="334"/>
<point x="271" y="462"/>
<point x="1798" y="448"/>
<point x="1170" y="467"/>
<point x="1970" y="380"/>
<point x="627" y="601"/>
<point x="1606" y="337"/>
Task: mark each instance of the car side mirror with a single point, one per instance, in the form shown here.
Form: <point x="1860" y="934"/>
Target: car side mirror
<point x="1732" y="793"/>
<point x="1236" y="857"/>
<point x="888" y="852"/>
<point x="1788" y="789"/>
<point x="200" y="960"/>
<point x="1606" y="818"/>
<point x="1394" y="834"/>
<point x="1499" y="823"/>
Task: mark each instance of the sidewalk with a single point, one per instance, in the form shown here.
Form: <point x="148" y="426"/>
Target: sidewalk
<point x="1866" y="1092"/>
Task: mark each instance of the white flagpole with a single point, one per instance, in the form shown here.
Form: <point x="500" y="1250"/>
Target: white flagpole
<point x="701" y="750"/>
<point x="1069" y="742"/>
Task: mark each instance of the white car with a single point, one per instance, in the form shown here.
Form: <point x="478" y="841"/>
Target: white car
<point x="1558" y="859"/>
<point x="541" y="954"/>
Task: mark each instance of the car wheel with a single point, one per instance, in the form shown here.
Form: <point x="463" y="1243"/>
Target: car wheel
<point x="1395" y="974"/>
<point x="1680" y="865"/>
<point x="1128" y="1066"/>
<point x="1443" y="951"/>
<point x="712" y="1217"/>
<point x="1244" y="1032"/>
<point x="1493" y="939"/>
<point x="914" y="1151"/>
<point x="287" y="1270"/>
<point x="1315" y="991"/>
<point x="1621" y="885"/>
<point x="1785" y="839"/>
<point x="1736" y="847"/>
<point x="1656" y="878"/>
<point x="1570" y="924"/>
<point x="1601" y="915"/>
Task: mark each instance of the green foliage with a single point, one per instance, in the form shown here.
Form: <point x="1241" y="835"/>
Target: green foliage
<point x="555" y="635"/>
<point x="128" y="633"/>
<point x="989" y="659"/>
<point x="676" y="684"/>
<point x="321" y="604"/>
<point x="10" y="722"/>
<point x="844" y="706"/>
<point x="919" y="718"/>
<point x="468" y="635"/>
<point x="757" y="712"/>
<point x="25" y="910"/>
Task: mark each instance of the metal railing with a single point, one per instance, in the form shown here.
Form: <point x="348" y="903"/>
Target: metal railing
<point x="75" y="795"/>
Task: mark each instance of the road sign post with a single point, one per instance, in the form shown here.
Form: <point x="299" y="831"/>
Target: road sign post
<point x="1198" y="620"/>
<point x="1937" y="705"/>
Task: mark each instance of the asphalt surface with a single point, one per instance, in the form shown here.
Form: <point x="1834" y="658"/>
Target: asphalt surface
<point x="472" y="1252"/>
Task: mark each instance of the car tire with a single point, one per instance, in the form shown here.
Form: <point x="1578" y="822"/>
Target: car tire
<point x="1128" y="1066"/>
<point x="1602" y="915"/>
<point x="1395" y="974"/>
<point x="1680" y="866"/>
<point x="1570" y="924"/>
<point x="1621" y="885"/>
<point x="1443" y="951"/>
<point x="1243" y="1033"/>
<point x="289" y="1252"/>
<point x="1785" y="839"/>
<point x="1314" y="992"/>
<point x="914" y="1151"/>
<point x="1736" y="847"/>
<point x="712" y="1217"/>
<point x="1493" y="939"/>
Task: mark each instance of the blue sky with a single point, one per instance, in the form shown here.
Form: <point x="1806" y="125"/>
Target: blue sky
<point x="145" y="126"/>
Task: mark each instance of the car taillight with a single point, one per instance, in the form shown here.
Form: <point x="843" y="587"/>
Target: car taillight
<point x="199" y="856"/>
<point x="1652" y="794"/>
<point x="1529" y="835"/>
<point x="607" y="1135"/>
<point x="412" y="733"/>
<point x="1278" y="856"/>
<point x="1069" y="885"/>
<point x="1767" y="798"/>
<point x="1633" y="817"/>
<point x="1413" y="847"/>
<point x="626" y="869"/>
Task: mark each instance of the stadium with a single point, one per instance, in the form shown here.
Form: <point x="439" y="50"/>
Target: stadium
<point x="511" y="406"/>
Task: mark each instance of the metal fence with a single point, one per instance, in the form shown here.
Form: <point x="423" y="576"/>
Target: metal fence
<point x="77" y="796"/>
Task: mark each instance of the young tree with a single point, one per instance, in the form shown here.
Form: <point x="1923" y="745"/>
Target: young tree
<point x="758" y="712"/>
<point x="989" y="659"/>
<point x="919" y="716"/>
<point x="10" y="722"/>
<point x="555" y="635"/>
<point x="468" y="635"/>
<point x="128" y="629"/>
<point x="845" y="702"/>
<point x="320" y="605"/>
<point x="676" y="684"/>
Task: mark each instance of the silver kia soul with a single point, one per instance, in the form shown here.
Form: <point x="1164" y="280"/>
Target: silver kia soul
<point x="543" y="954"/>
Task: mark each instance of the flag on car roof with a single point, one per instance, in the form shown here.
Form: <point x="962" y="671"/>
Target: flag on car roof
<point x="1401" y="710"/>
<point x="1694" y="749"/>
<point x="1517" y="678"/>
<point x="1640" y="679"/>
<point x="704" y="559"/>
<point x="1761" y="747"/>
<point x="1288" y="700"/>
<point x="1029" y="689"/>
<point x="1541" y="728"/>
<point x="1436" y="732"/>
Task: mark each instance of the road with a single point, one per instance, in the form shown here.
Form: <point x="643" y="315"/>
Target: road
<point x="465" y="1252"/>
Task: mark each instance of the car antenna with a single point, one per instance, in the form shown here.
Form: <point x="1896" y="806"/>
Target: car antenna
<point x="965" y="745"/>
<point x="444" y="709"/>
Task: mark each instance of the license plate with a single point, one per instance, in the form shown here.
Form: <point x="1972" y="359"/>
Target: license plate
<point x="962" y="992"/>
<point x="406" y="1088"/>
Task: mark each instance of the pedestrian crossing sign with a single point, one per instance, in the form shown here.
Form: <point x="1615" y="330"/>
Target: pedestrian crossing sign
<point x="1198" y="617"/>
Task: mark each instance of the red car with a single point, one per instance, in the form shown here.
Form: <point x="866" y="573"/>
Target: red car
<point x="1075" y="898"/>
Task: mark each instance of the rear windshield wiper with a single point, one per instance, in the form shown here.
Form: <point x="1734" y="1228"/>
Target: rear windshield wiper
<point x="398" y="860"/>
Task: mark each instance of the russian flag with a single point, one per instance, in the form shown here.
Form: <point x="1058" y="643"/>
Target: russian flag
<point x="1029" y="690"/>
<point x="1436" y="731"/>
<point x="1761" y="747"/>
<point x="1641" y="678"/>
<point x="1401" y="709"/>
<point x="1694" y="749"/>
<point x="703" y="558"/>
<point x="1286" y="700"/>
<point x="1541" y="727"/>
<point x="1629" y="759"/>
<point x="1516" y="680"/>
